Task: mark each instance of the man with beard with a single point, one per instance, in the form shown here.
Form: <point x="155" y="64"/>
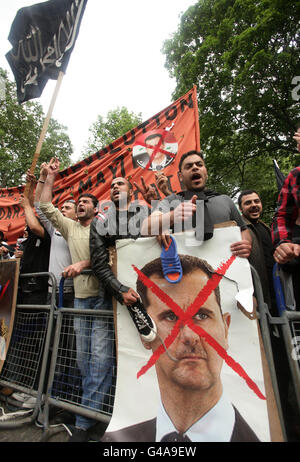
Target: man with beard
<point x="193" y="406"/>
<point x="261" y="257"/>
<point x="122" y="221"/>
<point x="196" y="207"/>
<point x="94" y="341"/>
<point x="262" y="260"/>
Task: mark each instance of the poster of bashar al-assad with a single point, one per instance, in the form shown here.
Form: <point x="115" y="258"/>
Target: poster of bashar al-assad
<point x="154" y="150"/>
<point x="9" y="275"/>
<point x="201" y="377"/>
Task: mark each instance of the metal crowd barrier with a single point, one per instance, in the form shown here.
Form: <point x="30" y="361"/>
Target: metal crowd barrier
<point x="291" y="335"/>
<point x="43" y="349"/>
<point x="289" y="315"/>
<point x="265" y="324"/>
<point x="26" y="360"/>
<point x="287" y="327"/>
<point x="64" y="388"/>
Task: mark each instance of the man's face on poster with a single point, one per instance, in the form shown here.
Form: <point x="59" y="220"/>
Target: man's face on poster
<point x="153" y="141"/>
<point x="198" y="365"/>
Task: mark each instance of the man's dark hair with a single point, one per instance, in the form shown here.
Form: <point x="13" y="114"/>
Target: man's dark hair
<point x="187" y="154"/>
<point x="188" y="264"/>
<point x="246" y="192"/>
<point x="71" y="202"/>
<point x="128" y="182"/>
<point x="94" y="198"/>
<point x="153" y="135"/>
<point x="1" y="236"/>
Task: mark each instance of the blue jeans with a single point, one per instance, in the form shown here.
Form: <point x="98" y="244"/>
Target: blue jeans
<point x="95" y="352"/>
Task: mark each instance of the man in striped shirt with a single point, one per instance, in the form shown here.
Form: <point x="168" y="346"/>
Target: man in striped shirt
<point x="286" y="230"/>
<point x="286" y="221"/>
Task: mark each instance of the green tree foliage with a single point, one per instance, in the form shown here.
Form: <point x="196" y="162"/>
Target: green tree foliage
<point x="243" y="56"/>
<point x="20" y="128"/>
<point x="106" y="130"/>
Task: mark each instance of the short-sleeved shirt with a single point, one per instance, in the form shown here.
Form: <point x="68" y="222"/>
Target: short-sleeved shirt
<point x="35" y="259"/>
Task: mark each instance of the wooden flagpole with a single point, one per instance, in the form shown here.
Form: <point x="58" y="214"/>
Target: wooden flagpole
<point x="44" y="129"/>
<point x="198" y="143"/>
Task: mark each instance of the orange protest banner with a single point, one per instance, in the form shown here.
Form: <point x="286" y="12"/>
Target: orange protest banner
<point x="154" y="145"/>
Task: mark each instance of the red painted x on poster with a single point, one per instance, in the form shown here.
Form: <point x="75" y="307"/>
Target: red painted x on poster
<point x="186" y="318"/>
<point x="2" y="291"/>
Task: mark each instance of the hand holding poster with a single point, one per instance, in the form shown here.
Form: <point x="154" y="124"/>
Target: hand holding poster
<point x="202" y="376"/>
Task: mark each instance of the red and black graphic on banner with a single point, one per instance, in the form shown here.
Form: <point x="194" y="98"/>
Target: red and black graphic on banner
<point x="155" y="145"/>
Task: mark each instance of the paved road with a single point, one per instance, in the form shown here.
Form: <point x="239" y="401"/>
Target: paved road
<point x="60" y="422"/>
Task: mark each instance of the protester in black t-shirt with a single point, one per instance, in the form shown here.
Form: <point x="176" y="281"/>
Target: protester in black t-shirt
<point x="32" y="291"/>
<point x="35" y="258"/>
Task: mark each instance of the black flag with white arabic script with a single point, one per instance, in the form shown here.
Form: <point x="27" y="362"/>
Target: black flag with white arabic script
<point x="43" y="37"/>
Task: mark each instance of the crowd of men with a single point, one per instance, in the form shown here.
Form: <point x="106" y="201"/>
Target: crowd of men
<point x="78" y="236"/>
